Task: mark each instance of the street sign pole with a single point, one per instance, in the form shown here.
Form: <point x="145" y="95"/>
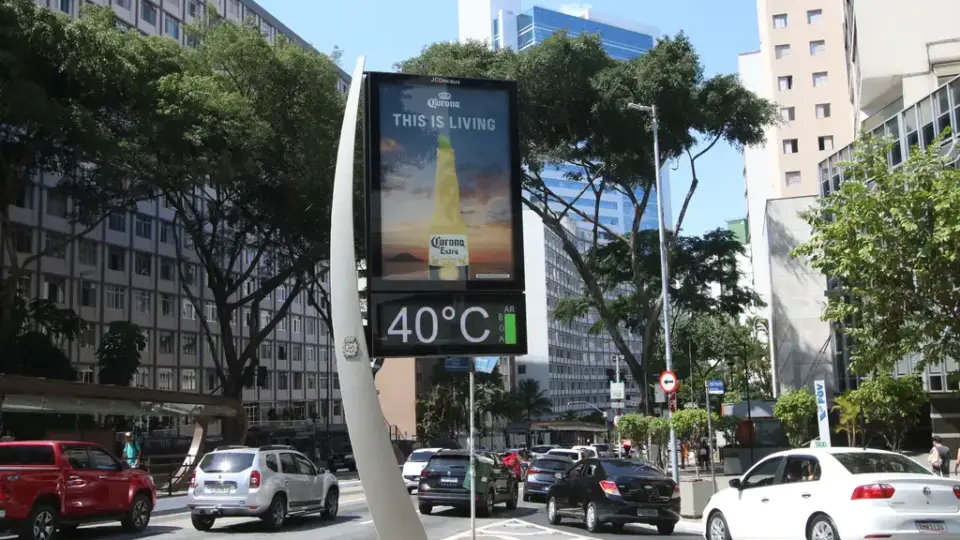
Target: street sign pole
<point x="713" y="469"/>
<point x="473" y="464"/>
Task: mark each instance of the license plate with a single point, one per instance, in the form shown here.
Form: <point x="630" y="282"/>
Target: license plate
<point x="932" y="526"/>
<point x="646" y="512"/>
<point x="217" y="490"/>
<point x="449" y="481"/>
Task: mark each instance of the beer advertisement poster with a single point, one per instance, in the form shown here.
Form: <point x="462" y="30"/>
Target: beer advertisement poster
<point x="445" y="187"/>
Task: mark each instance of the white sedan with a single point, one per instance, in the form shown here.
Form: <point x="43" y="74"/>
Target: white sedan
<point x="832" y="494"/>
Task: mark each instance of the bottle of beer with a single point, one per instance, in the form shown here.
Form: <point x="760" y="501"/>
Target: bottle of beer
<point x="449" y="254"/>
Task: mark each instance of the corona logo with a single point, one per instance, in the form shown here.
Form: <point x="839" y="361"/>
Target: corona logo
<point x="444" y="100"/>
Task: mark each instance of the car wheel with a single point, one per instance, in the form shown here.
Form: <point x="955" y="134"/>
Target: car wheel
<point x="276" y="513"/>
<point x="512" y="501"/>
<point x="331" y="505"/>
<point x="666" y="529"/>
<point x="202" y="523"/>
<point x="487" y="509"/>
<point x="823" y="528"/>
<point x="591" y="519"/>
<point x="425" y="509"/>
<point x="41" y="524"/>
<point x="717" y="527"/>
<point x="552" y="515"/>
<point x="138" y="517"/>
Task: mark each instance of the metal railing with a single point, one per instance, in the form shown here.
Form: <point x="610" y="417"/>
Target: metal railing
<point x="167" y="471"/>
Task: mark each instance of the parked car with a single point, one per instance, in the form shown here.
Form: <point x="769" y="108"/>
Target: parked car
<point x="415" y="465"/>
<point x="835" y="492"/>
<point x="269" y="482"/>
<point x="542" y="474"/>
<point x="604" y="450"/>
<point x="342" y="459"/>
<point x="443" y="482"/>
<point x="582" y="452"/>
<point x="615" y="491"/>
<point x="59" y="485"/>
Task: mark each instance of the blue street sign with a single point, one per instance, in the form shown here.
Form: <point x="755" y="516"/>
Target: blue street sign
<point x="457" y="364"/>
<point x="486" y="364"/>
<point x="715" y="387"/>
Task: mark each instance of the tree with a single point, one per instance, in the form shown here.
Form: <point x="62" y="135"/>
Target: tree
<point x="690" y="423"/>
<point x="891" y="405"/>
<point x="530" y="399"/>
<point x="888" y="238"/>
<point x="635" y="427"/>
<point x="72" y="95"/>
<point x="659" y="429"/>
<point x="848" y="409"/>
<point x="574" y="98"/>
<point x="244" y="152"/>
<point x="797" y="411"/>
<point x="444" y="412"/>
<point x="119" y="353"/>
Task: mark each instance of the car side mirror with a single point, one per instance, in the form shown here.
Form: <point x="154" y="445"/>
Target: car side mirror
<point x="321" y="471"/>
<point x="735" y="483"/>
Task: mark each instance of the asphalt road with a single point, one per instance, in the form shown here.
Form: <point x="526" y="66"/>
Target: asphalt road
<point x="528" y="521"/>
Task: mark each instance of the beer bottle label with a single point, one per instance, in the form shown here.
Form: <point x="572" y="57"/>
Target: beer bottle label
<point x="449" y="250"/>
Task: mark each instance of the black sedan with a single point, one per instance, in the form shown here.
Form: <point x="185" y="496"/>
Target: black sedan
<point x="542" y="474"/>
<point x="616" y="491"/>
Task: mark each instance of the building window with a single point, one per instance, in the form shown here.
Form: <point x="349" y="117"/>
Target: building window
<point x="522" y="369"/>
<point x="56" y="245"/>
<point x="24" y="197"/>
<point x="814" y="16"/>
<point x="780" y="21"/>
<point x="142" y="263"/>
<point x="56" y="204"/>
<point x="188" y="380"/>
<point x="788" y="114"/>
<point x="825" y="142"/>
<point x="311" y="381"/>
<point x="820" y="79"/>
<point x="115" y="297"/>
<point x="281" y="352"/>
<point x="266" y="351"/>
<point x="166" y="233"/>
<point x="172" y="27"/>
<point x="88" y="294"/>
<point x="188" y="312"/>
<point x="166" y="305"/>
<point x="88" y="336"/>
<point x="66" y="6"/>
<point x="148" y="12"/>
<point x="189" y="344"/>
<point x="823" y="110"/>
<point x="125" y="4"/>
<point x="143" y="227"/>
<point x="116" y="259"/>
<point x="233" y="7"/>
<point x="311" y="326"/>
<point x="22" y="239"/>
<point x="211" y="313"/>
<point x="87" y="252"/>
<point x="296" y="352"/>
<point x="296" y="324"/>
<point x="282" y="325"/>
<point x="164" y="378"/>
<point x="781" y="51"/>
<point x="818" y="47"/>
<point x="56" y="289"/>
<point x="310" y="353"/>
<point x="792" y="177"/>
<point x="166" y="342"/>
<point x="791" y="146"/>
<point x="143" y="301"/>
<point x="117" y="222"/>
<point x="282" y="377"/>
<point x="166" y="269"/>
<point x="298" y="381"/>
<point x="785" y="82"/>
<point x="141" y="379"/>
<point x="194" y="8"/>
<point x="189" y="274"/>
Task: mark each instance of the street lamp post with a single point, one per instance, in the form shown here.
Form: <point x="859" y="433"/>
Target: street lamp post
<point x="664" y="269"/>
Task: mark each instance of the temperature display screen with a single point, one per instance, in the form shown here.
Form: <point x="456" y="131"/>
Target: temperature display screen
<point x="444" y="324"/>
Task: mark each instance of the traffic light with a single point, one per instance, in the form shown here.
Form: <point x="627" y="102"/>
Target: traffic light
<point x="612" y="375"/>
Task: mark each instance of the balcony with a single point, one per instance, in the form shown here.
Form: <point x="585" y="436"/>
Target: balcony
<point x="919" y="123"/>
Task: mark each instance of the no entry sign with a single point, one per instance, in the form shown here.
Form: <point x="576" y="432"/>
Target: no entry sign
<point x="668" y="382"/>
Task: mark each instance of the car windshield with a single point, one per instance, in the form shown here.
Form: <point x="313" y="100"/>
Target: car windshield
<point x="444" y="463"/>
<point x="227" y="462"/>
<point x="559" y="465"/>
<point x="630" y="468"/>
<point x="878" y="462"/>
<point x="420" y="457"/>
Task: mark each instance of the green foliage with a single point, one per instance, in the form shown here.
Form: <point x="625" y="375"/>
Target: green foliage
<point x="659" y="429"/>
<point x="691" y="423"/>
<point x="635" y="427"/>
<point x="848" y="407"/>
<point x="41" y="331"/>
<point x="728" y="426"/>
<point x="119" y="353"/>
<point x="574" y="98"/>
<point x="797" y="411"/>
<point x="443" y="413"/>
<point x="889" y="238"/>
<point x="891" y="405"/>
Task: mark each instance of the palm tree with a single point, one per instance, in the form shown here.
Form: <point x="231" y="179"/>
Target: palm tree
<point x="848" y="410"/>
<point x="531" y="400"/>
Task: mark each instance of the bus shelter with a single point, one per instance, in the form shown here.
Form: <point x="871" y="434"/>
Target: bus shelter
<point x="36" y="395"/>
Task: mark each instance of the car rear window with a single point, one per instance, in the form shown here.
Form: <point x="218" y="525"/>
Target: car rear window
<point x="227" y="462"/>
<point x="566" y="453"/>
<point x="443" y="463"/>
<point x="420" y="457"/>
<point x="630" y="468"/>
<point x="876" y="462"/>
<point x="601" y="447"/>
<point x="23" y="454"/>
<point x="551" y="464"/>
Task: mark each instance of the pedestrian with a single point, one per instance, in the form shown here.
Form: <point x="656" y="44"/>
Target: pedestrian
<point x="939" y="457"/>
<point x="703" y="454"/>
<point x="131" y="450"/>
<point x="684" y="451"/>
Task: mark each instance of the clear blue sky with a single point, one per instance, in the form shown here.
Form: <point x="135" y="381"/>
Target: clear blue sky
<point x="391" y="30"/>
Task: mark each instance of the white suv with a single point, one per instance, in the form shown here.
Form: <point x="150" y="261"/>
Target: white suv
<point x="270" y="482"/>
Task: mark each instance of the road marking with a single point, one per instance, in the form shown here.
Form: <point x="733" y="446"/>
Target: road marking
<point x="490" y="530"/>
<point x="365" y="522"/>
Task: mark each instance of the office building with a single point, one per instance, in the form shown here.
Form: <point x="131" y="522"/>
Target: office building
<point x="502" y="24"/>
<point x="124" y="270"/>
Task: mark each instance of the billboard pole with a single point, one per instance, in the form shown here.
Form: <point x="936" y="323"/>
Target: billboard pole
<point x="386" y="493"/>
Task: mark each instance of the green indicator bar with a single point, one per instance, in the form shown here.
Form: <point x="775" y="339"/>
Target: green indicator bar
<point x="510" y="328"/>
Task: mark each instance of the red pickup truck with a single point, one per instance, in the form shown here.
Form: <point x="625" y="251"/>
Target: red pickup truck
<point x="51" y="486"/>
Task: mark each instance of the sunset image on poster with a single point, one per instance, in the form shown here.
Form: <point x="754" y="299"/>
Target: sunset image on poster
<point x="445" y="183"/>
